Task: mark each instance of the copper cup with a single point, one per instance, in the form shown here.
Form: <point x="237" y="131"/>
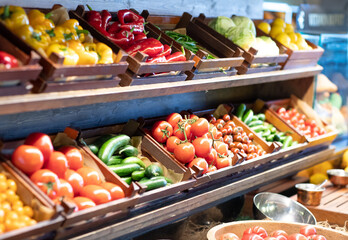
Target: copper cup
<point x="338" y="177"/>
<point x="309" y="194"/>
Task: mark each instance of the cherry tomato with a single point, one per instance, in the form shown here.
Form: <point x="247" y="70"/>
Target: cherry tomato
<point x="279" y="233"/>
<point x="308" y="230"/>
<point x="226" y="117"/>
<point x="317" y="237"/>
<point x="221" y="148"/>
<point x="89" y="175"/>
<point x="228" y="139"/>
<point x="235" y="150"/>
<point x="27" y="158"/>
<point x="83" y="203"/>
<point x="179" y="130"/>
<point x="211" y="157"/>
<point x="229" y="236"/>
<point x="221" y="121"/>
<point x="237" y="130"/>
<point x="184" y="152"/>
<point x="41" y="141"/>
<point x="223" y="131"/>
<point x="297" y="236"/>
<point x="237" y="138"/>
<point x="161" y="131"/>
<point x="96" y="193"/>
<point x="65" y="189"/>
<point x="281" y="110"/>
<point x="173" y="119"/>
<point x="47" y="181"/>
<point x="202" y="146"/>
<point x="211" y="168"/>
<point x="251" y="236"/>
<point x="199" y="162"/>
<point x="75" y="180"/>
<point x="74" y="157"/>
<point x="172" y="142"/>
<point x="200" y="127"/>
<point x="223" y="162"/>
<point x="115" y="191"/>
<point x="257" y="230"/>
<point x="57" y="163"/>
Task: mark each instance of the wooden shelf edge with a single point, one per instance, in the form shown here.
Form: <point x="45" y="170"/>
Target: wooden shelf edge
<point x="45" y="101"/>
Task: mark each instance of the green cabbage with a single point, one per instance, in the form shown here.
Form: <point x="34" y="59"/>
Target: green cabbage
<point x="221" y="24"/>
<point x="243" y="37"/>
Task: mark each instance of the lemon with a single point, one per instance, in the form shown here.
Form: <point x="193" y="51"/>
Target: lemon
<point x="346" y="169"/>
<point x="265" y="27"/>
<point x="317" y="178"/>
<point x="304" y="173"/>
<point x="293" y="37"/>
<point x="283" y="38"/>
<point x="293" y="46"/>
<point x="289" y="28"/>
<point x="298" y="35"/>
<point x="344" y="162"/>
<point x="322" y="167"/>
<point x="301" y="43"/>
<point x="276" y="30"/>
<point x="279" y="22"/>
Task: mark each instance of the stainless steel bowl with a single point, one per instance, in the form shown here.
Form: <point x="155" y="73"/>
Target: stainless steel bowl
<point x="280" y="208"/>
<point x="338" y="177"/>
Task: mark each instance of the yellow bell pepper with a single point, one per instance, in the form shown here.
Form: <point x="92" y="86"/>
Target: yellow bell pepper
<point x="86" y="56"/>
<point x="13" y="17"/>
<point x="105" y="53"/>
<point x="70" y="56"/>
<point x="36" y="39"/>
<point x="40" y="21"/>
<point x="60" y="35"/>
<point x="75" y="28"/>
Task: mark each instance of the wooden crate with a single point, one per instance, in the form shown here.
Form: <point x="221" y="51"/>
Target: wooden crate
<point x="131" y="129"/>
<point x="45" y="214"/>
<point x="249" y="56"/>
<point x="138" y="67"/>
<point x="58" y="77"/>
<point x="325" y="139"/>
<point x="17" y="80"/>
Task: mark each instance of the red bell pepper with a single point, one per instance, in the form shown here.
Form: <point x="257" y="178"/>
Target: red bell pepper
<point x="156" y="59"/>
<point x="94" y="17"/>
<point x="134" y="27"/>
<point x="176" y="57"/>
<point x="149" y="46"/>
<point x="123" y="38"/>
<point x="114" y="27"/>
<point x="8" y="60"/>
<point x="105" y="18"/>
<point x="139" y="36"/>
<point x="166" y="51"/>
<point x="127" y="16"/>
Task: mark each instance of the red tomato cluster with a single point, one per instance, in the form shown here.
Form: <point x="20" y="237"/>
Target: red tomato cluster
<point x="61" y="174"/>
<point x="259" y="233"/>
<point x="305" y="126"/>
<point x="209" y="143"/>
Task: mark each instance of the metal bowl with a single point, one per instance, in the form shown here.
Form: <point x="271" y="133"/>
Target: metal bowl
<point x="280" y="208"/>
<point x="309" y="194"/>
<point x="338" y="177"/>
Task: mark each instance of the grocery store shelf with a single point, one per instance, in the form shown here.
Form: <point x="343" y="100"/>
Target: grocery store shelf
<point x="161" y="212"/>
<point x="45" y="101"/>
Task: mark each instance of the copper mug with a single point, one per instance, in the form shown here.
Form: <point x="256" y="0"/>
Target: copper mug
<point x="309" y="194"/>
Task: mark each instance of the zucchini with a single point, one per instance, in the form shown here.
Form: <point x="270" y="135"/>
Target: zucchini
<point x="153" y="171"/>
<point x="128" y="180"/>
<point x="287" y="142"/>
<point x="248" y="116"/>
<point x="169" y="181"/>
<point x="261" y="117"/>
<point x="138" y="175"/>
<point x="111" y="146"/>
<point x="128" y="151"/>
<point x="276" y="138"/>
<point x="255" y="123"/>
<point x="270" y="138"/>
<point x="95" y="146"/>
<point x="240" y="111"/>
<point x="266" y="133"/>
<point x="114" y="160"/>
<point x="254" y="118"/>
<point x="153" y="183"/>
<point x="257" y="129"/>
<point x="134" y="160"/>
<point x="125" y="169"/>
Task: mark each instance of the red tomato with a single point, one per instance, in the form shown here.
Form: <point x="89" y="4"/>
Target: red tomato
<point x="281" y="110"/>
<point x="211" y="168"/>
<point x="281" y="237"/>
<point x="75" y="180"/>
<point x="270" y="238"/>
<point x="229" y="236"/>
<point x="58" y="163"/>
<point x="42" y="142"/>
<point x="65" y="189"/>
<point x="297" y="236"/>
<point x="226" y="117"/>
<point x="115" y="191"/>
<point x="251" y="236"/>
<point x="308" y="230"/>
<point x="257" y="230"/>
<point x="172" y="142"/>
<point x="200" y="127"/>
<point x="279" y="233"/>
<point x="89" y="175"/>
<point x="27" y="158"/>
<point x="317" y="237"/>
<point x="179" y="130"/>
<point x="184" y="152"/>
<point x="83" y="203"/>
<point x="193" y="116"/>
<point x="199" y="162"/>
<point x="47" y="181"/>
<point x="173" y="119"/>
<point x="211" y="157"/>
<point x="202" y="146"/>
<point x="96" y="193"/>
<point x="161" y="131"/>
<point x="221" y="148"/>
<point x="74" y="157"/>
<point x="223" y="162"/>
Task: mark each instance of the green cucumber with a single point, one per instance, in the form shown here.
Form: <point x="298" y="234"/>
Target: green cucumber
<point x="153" y="183"/>
<point x="240" y="111"/>
<point x="281" y="134"/>
<point x="153" y="171"/>
<point x="266" y="133"/>
<point x="255" y="123"/>
<point x="128" y="180"/>
<point x="111" y="146"/>
<point x="270" y="138"/>
<point x="257" y="129"/>
<point x="128" y="151"/>
<point x="95" y="146"/>
<point x="282" y="139"/>
<point x="114" y="160"/>
<point x="134" y="160"/>
<point x="254" y="118"/>
<point x="125" y="169"/>
<point x="294" y="143"/>
<point x="287" y="142"/>
<point x="276" y="138"/>
<point x="261" y="117"/>
<point x="273" y="130"/>
<point x="169" y="181"/>
<point x="248" y="116"/>
<point x="138" y="175"/>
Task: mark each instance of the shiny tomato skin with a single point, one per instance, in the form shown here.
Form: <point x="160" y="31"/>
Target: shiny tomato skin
<point x="202" y="146"/>
<point x="199" y="162"/>
<point x="41" y="141"/>
<point x="308" y="230"/>
<point x="161" y="131"/>
<point x="83" y="203"/>
<point x="257" y="230"/>
<point x="251" y="236"/>
<point x="221" y="148"/>
<point x="65" y="189"/>
<point x="184" y="152"/>
<point x="200" y="127"/>
<point x="47" y="181"/>
<point x="317" y="237"/>
<point x="57" y="163"/>
<point x="173" y="119"/>
<point x="297" y="236"/>
<point x="96" y="193"/>
<point x="172" y="142"/>
<point x="223" y="162"/>
<point x="75" y="180"/>
<point x="115" y="191"/>
<point x="279" y="233"/>
<point x="226" y="117"/>
<point x="211" y="157"/>
<point x="211" y="168"/>
<point x="270" y="238"/>
<point x="229" y="236"/>
<point x="281" y="237"/>
<point x="74" y="157"/>
<point x="89" y="175"/>
<point x="27" y="158"/>
<point x="179" y="130"/>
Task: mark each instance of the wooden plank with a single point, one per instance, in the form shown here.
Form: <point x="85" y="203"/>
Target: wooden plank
<point x="44" y="101"/>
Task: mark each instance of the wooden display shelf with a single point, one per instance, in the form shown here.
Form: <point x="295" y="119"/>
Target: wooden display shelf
<point x="146" y="217"/>
<point x="54" y="100"/>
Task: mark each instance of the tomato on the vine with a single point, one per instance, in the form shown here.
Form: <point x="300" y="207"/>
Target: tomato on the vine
<point x="257" y="230"/>
<point x="297" y="236"/>
<point x="65" y="189"/>
<point x="211" y="168"/>
<point x="89" y="175"/>
<point x="223" y="162"/>
<point x="161" y="131"/>
<point x="115" y="191"/>
<point x="74" y="157"/>
<point x="57" y="163"/>
<point x="308" y="230"/>
<point x="200" y="127"/>
<point x="200" y="162"/>
<point x="96" y="193"/>
<point x="47" y="181"/>
<point x="41" y="141"/>
<point x="27" y="158"/>
<point x="181" y="129"/>
<point x="221" y="148"/>
<point x="75" y="180"/>
<point x="251" y="236"/>
<point x="172" y="142"/>
<point x="202" y="146"/>
<point x="83" y="203"/>
<point x="173" y="119"/>
<point x="211" y="157"/>
<point x="184" y="152"/>
<point x="279" y="233"/>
